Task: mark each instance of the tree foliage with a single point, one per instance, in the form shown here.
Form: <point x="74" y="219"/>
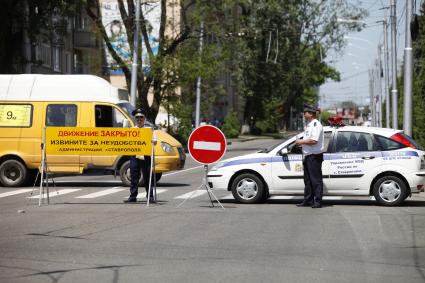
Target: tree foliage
<point x="286" y="44"/>
<point x="25" y="18"/>
<point x="418" y="119"/>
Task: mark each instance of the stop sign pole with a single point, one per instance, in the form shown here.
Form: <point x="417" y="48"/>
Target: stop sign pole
<point x="206" y="144"/>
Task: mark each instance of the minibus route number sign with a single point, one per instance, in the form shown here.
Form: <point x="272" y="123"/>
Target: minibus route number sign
<point x="15" y="115"/>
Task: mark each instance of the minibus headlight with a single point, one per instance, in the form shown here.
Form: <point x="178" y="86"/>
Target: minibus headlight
<point x="166" y="147"/>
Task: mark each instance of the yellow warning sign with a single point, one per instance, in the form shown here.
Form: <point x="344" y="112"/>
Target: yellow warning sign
<point x="98" y="141"/>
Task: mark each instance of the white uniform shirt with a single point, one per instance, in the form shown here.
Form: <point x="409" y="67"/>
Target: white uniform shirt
<point x="147" y="124"/>
<point x="314" y="131"/>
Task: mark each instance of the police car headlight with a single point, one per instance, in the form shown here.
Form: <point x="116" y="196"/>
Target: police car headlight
<point x="218" y="166"/>
<point x="166" y="147"/>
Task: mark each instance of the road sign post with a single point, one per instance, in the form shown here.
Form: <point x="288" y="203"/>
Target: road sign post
<point x="207" y="144"/>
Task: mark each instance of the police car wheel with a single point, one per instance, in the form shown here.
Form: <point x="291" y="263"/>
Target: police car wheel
<point x="390" y="191"/>
<point x="13" y="173"/>
<point x="126" y="176"/>
<point x="248" y="188"/>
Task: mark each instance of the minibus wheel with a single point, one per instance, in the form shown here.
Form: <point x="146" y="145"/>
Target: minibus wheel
<point x="13" y="173"/>
<point x="126" y="176"/>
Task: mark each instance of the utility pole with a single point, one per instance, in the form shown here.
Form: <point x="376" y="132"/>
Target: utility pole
<point x="394" y="91"/>
<point x="198" y="83"/>
<point x="370" y="94"/>
<point x="387" y="76"/>
<point x="379" y="95"/>
<point x="134" y="65"/>
<point x="408" y="72"/>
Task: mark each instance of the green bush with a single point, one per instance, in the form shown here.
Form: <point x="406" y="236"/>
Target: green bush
<point x="232" y="126"/>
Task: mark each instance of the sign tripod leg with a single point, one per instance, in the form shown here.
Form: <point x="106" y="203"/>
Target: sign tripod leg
<point x="209" y="191"/>
<point x="152" y="176"/>
<point x="207" y="188"/>
<point x="44" y="175"/>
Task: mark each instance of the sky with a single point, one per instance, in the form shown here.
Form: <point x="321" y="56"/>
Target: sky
<point x="360" y="54"/>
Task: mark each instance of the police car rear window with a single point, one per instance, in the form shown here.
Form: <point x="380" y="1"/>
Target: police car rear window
<point x="387" y="144"/>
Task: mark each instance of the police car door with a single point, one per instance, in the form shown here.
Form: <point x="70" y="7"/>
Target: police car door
<point x="354" y="155"/>
<point x="287" y="169"/>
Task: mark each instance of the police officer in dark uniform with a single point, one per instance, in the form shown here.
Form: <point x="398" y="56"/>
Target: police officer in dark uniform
<point x="140" y="163"/>
<point x="313" y="146"/>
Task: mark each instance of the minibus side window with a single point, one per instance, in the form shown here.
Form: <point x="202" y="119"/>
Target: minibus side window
<point x="108" y="116"/>
<point x="61" y="115"/>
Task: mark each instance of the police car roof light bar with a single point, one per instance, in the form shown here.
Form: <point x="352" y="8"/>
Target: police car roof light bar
<point x="335" y="122"/>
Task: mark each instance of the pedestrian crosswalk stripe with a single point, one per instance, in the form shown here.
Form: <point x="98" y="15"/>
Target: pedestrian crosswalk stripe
<point x="16" y="192"/>
<point x="192" y="194"/>
<point x="103" y="193"/>
<point x="143" y="195"/>
<point x="53" y="193"/>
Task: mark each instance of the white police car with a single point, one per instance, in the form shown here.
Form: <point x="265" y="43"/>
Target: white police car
<point x="359" y="161"/>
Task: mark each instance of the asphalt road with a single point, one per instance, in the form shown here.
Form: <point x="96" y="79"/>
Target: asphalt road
<point x="89" y="235"/>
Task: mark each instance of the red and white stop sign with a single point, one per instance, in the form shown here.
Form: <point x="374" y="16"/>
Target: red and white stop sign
<point x="207" y="144"/>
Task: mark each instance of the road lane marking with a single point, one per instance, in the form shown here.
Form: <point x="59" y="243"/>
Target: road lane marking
<point x="53" y="193"/>
<point x="230" y="196"/>
<point x="143" y="196"/>
<point x="192" y="194"/>
<point x="181" y="171"/>
<point x="16" y="192"/>
<point x="216" y="146"/>
<point x="103" y="193"/>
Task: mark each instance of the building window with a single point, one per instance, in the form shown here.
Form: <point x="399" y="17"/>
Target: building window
<point x="68" y="63"/>
<point x="56" y="59"/>
<point x="42" y="54"/>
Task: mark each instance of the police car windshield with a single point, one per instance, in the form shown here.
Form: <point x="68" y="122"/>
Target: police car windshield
<point x="267" y="150"/>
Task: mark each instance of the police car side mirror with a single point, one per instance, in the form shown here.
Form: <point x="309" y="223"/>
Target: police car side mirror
<point x="126" y="123"/>
<point x="284" y="151"/>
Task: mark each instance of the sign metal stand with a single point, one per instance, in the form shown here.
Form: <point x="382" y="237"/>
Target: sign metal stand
<point x="152" y="174"/>
<point x="206" y="144"/>
<point x="44" y="175"/>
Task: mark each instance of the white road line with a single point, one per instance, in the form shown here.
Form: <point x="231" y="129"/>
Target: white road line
<point x="142" y="195"/>
<point x="53" y="193"/>
<point x="103" y="193"/>
<point x="207" y="145"/>
<point x="178" y="172"/>
<point x="230" y="196"/>
<point x="333" y="198"/>
<point x="17" y="192"/>
<point x="192" y="194"/>
<point x="285" y="197"/>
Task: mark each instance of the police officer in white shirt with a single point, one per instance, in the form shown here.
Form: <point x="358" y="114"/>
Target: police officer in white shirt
<point x="140" y="163"/>
<point x="313" y="146"/>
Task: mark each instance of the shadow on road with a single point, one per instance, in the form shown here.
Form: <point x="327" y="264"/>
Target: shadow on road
<point x="328" y="203"/>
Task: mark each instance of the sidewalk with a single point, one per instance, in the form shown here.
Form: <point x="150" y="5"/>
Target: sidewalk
<point x="245" y="138"/>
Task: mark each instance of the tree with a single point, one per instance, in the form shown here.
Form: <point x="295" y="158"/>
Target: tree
<point x="286" y="46"/>
<point x="418" y="122"/>
<point x="25" y="20"/>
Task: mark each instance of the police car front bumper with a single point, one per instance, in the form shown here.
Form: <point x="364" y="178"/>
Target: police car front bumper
<point x="219" y="180"/>
<point x="416" y="181"/>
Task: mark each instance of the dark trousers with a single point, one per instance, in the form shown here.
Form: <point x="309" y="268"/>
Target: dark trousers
<point x="137" y="165"/>
<point x="313" y="179"/>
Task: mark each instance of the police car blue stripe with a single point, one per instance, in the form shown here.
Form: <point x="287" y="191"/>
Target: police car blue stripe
<point x="399" y="153"/>
<point x="326" y="156"/>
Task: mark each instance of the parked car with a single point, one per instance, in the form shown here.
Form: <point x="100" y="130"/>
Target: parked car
<point x="359" y="161"/>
